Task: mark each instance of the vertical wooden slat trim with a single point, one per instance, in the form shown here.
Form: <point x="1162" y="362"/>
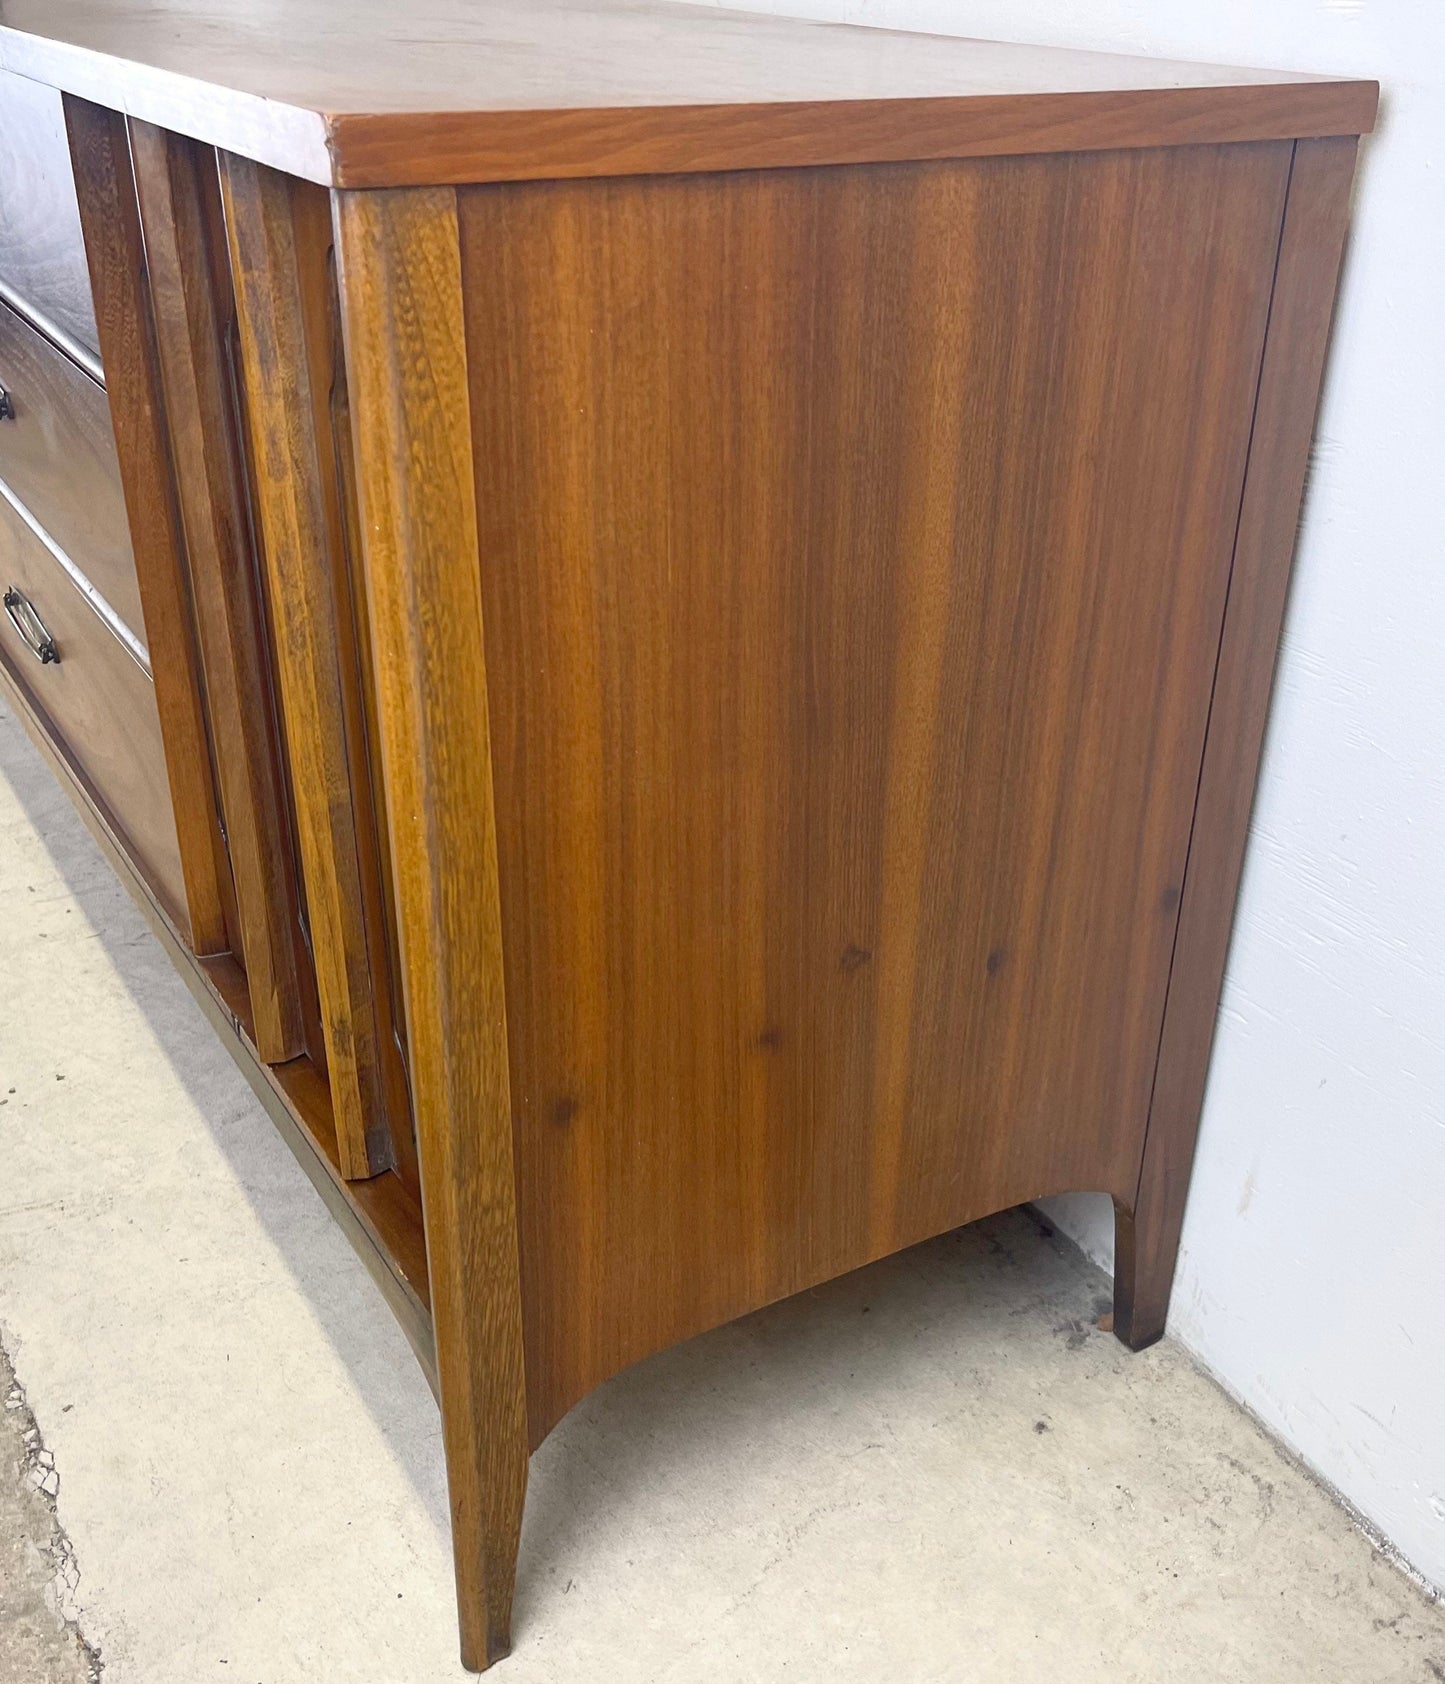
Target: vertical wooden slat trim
<point x="300" y="531"/>
<point x="1311" y="244"/>
<point x="110" y="219"/>
<point x="363" y="738"/>
<point x="400" y="271"/>
<point x="204" y="451"/>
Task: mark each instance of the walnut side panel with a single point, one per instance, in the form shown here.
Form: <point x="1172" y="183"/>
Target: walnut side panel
<point x="1148" y="1225"/>
<point x="400" y="277"/>
<point x="854" y="547"/>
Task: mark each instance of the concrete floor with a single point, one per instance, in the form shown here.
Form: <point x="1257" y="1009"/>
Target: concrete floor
<point x="225" y="1464"/>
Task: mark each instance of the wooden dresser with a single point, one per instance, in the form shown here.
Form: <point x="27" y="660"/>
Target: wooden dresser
<point x="671" y="614"/>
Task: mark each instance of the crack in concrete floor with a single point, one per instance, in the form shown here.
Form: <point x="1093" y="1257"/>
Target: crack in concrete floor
<point x="40" y="1637"/>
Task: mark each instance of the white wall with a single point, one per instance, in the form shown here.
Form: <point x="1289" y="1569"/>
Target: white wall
<point x="1312" y="1273"/>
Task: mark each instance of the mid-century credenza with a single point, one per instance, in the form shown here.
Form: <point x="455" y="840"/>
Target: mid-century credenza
<point x="671" y="614"/>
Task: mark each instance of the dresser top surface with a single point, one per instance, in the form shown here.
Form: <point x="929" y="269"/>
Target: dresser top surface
<point x="369" y="93"/>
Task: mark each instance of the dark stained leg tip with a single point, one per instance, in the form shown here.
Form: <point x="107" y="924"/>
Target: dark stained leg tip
<point x="1143" y="1279"/>
<point x="1138" y="1334"/>
<point x="477" y="1658"/>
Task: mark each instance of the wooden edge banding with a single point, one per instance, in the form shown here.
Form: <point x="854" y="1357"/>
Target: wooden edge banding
<point x="300" y="531"/>
<point x="1311" y="245"/>
<point x="333" y="406"/>
<point x="205" y="455"/>
<point x="418" y="148"/>
<point x="109" y="217"/>
<point x="400" y="274"/>
<point x="405" y="149"/>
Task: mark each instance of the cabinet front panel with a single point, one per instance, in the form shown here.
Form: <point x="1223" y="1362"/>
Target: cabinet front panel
<point x="57" y="453"/>
<point x="42" y="254"/>
<point x="854" y="546"/>
<point x="94" y="697"/>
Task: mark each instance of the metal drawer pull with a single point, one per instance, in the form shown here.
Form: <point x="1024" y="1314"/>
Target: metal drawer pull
<point x="30" y="626"/>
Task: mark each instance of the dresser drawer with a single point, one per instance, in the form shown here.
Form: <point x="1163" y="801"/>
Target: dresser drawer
<point x="42" y="254"/>
<point x="57" y="454"/>
<point x="95" y="697"/>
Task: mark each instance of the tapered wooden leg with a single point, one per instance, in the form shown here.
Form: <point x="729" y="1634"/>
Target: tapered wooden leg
<point x="1146" y="1244"/>
<point x="1311" y="241"/>
<point x="400" y="275"/>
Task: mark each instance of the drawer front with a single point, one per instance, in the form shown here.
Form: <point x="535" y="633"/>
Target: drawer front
<point x="57" y="454"/>
<point x="42" y="254"/>
<point x="96" y="699"/>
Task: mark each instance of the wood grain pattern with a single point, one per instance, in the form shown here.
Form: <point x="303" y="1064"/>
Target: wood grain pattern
<point x="110" y="217"/>
<point x="532" y="145"/>
<point x="795" y="740"/>
<point x="58" y="456"/>
<point x="400" y="277"/>
<point x="98" y="701"/>
<point x="854" y="548"/>
<point x="1148" y="1226"/>
<point x="367" y="778"/>
<point x="365" y="95"/>
<point x="302" y="527"/>
<point x="42" y="254"/>
<point x="215" y="519"/>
